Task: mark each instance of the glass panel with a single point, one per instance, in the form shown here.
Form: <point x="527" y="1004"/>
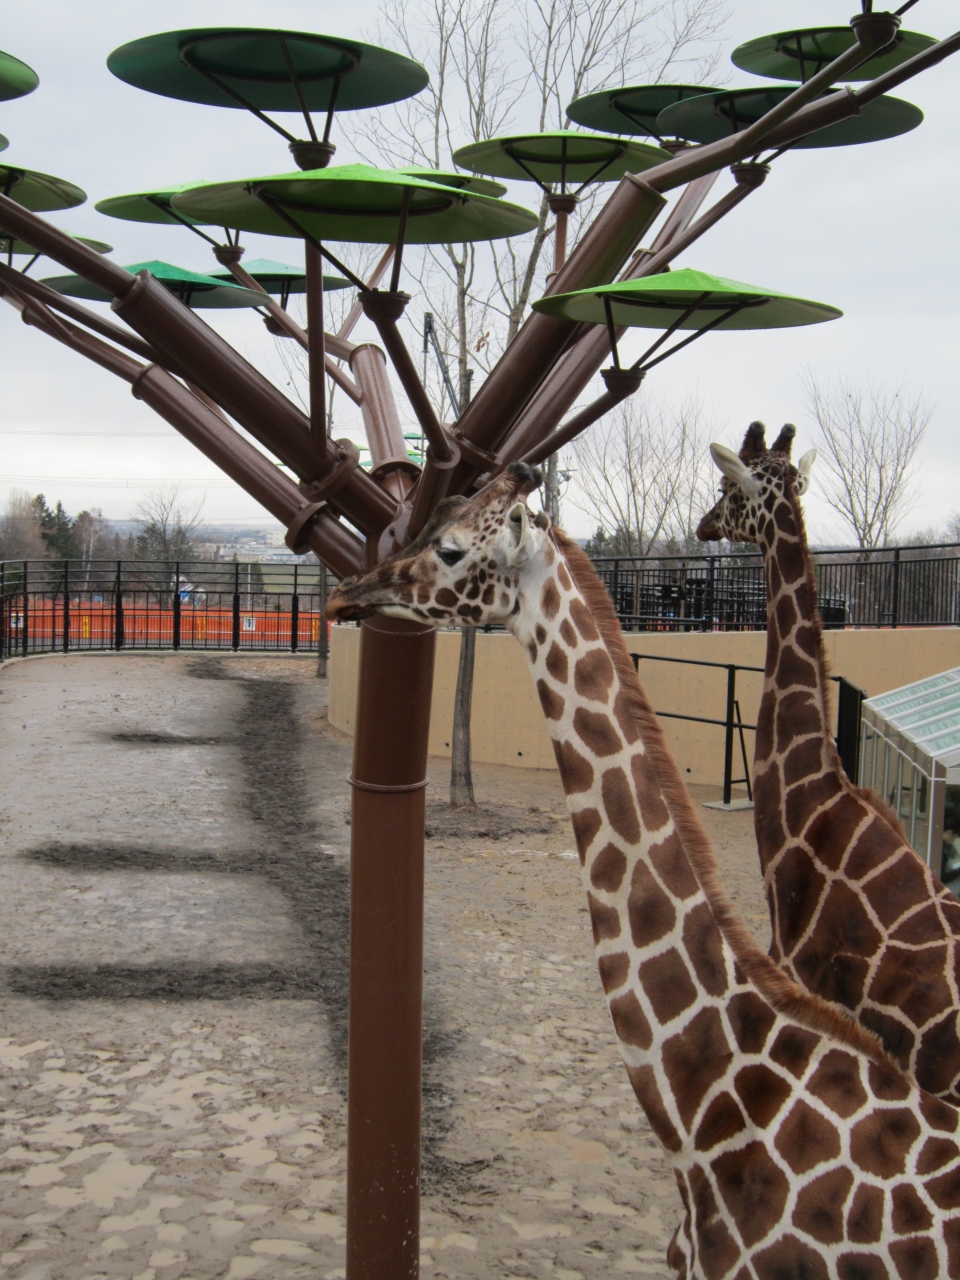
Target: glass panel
<point x="941" y="707"/>
<point x="923" y="688"/>
<point x="950" y="860"/>
<point x="866" y="756"/>
<point x="942" y="743"/>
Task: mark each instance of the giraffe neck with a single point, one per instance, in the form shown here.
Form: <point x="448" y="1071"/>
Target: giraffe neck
<point x="663" y="961"/>
<point x="793" y="726"/>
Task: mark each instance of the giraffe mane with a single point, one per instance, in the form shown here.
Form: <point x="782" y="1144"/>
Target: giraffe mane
<point x="780" y="991"/>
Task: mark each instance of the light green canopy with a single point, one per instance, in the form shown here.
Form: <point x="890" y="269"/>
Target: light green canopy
<point x="204" y="63"/>
<point x="147" y="206"/>
<point x="10" y="244"/>
<point x="38" y="192"/>
<point x="462" y="181"/>
<point x="718" y="115"/>
<point x="190" y="287"/>
<point x="276" y="277"/>
<point x="800" y="54"/>
<point x="4" y="142"/>
<point x="563" y="155"/>
<point x="659" y="302"/>
<point x="632" y="109"/>
<point x="357" y="203"/>
<point x="16" y="78"/>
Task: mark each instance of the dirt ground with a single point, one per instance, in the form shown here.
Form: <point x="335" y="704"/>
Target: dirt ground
<point x="173" y="926"/>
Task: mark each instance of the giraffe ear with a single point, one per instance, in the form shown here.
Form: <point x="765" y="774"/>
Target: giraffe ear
<point x="735" y="470"/>
<point x="804" y="467"/>
<point x="518" y="524"/>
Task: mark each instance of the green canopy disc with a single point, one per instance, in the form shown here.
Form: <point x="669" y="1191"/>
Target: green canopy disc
<point x="798" y="55"/>
<point x="193" y="289"/>
<point x="204" y="64"/>
<point x="462" y="181"/>
<point x="38" y="192"/>
<point x="563" y="155"/>
<point x="633" y="109"/>
<point x="276" y="277"/>
<point x="718" y="115"/>
<point x="659" y="302"/>
<point x="147" y="206"/>
<point x="4" y="142"/>
<point x="16" y="78"/>
<point x="354" y="202"/>
<point x="10" y="245"/>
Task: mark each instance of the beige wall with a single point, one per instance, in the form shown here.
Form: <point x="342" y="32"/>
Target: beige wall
<point x="508" y="723"/>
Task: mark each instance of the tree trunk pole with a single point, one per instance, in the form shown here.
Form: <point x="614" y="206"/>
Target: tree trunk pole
<point x="386" y="950"/>
<point x="461" y="775"/>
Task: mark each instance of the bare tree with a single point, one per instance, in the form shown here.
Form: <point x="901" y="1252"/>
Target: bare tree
<point x="94" y="537"/>
<point x="21" y="533"/>
<point x="869" y="437"/>
<point x="643" y="475"/>
<point x="166" y="527"/>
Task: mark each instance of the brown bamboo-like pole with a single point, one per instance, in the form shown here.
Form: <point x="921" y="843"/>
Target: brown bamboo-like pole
<point x="315" y="351"/>
<point x="386" y="950"/>
<point x="389" y="462"/>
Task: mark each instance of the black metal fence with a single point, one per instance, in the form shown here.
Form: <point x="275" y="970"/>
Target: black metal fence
<point x="49" y="606"/>
<point x="892" y="587"/>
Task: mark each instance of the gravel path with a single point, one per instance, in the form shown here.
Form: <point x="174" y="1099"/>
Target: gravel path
<point x="173" y="923"/>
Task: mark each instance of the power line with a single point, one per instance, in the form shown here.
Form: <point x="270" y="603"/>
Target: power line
<point x="76" y="481"/>
<point x="136" y="435"/>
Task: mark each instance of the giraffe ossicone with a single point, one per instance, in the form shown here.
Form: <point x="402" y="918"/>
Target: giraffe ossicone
<point x="857" y="916"/>
<point x="801" y="1151"/>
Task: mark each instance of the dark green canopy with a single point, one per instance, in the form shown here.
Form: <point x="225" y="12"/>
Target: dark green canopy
<point x="354" y="202"/>
<point x="800" y="54"/>
<point x="9" y="244"/>
<point x="253" y="62"/>
<point x="560" y="155"/>
<point x="38" y="192"/>
<point x="146" y="206"/>
<point x="462" y="181"/>
<point x="276" y="277"/>
<point x="718" y="115"/>
<point x="190" y="287"/>
<point x="632" y="109"/>
<point x="658" y="302"/>
<point x="16" y="78"/>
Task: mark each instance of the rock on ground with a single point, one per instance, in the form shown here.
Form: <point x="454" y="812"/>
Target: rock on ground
<point x="173" y="926"/>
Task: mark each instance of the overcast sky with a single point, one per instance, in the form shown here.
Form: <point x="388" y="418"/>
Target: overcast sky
<point x="870" y="229"/>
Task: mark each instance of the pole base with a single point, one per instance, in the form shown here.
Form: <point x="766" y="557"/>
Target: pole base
<point x="732" y="807"/>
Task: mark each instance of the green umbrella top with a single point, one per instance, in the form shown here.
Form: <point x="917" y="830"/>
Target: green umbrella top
<point x="462" y="181"/>
<point x="798" y="55"/>
<point x="661" y="301"/>
<point x="266" y="69"/>
<point x="38" y="192"/>
<point x="190" y="287"/>
<point x="16" y="78"/>
<point x="728" y="111"/>
<point x="632" y="109"/>
<point x="562" y="155"/>
<point x="4" y="142"/>
<point x="147" y="206"/>
<point x="12" y="245"/>
<point x="357" y="203"/>
<point x="277" y="277"/>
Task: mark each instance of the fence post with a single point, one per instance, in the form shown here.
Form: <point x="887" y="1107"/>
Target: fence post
<point x="706" y="623"/>
<point x="176" y="609"/>
<point x="849" y="715"/>
<point x="896" y="587"/>
<point x="236" y="606"/>
<point x="728" y="738"/>
<point x="3" y="610"/>
<point x="25" y="615"/>
<point x="323" y="645"/>
<point x="294" y="613"/>
<point x="66" y="606"/>
<point x="118" y="629"/>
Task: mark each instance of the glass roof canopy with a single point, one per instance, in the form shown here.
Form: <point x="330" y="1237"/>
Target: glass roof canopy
<point x="910" y="754"/>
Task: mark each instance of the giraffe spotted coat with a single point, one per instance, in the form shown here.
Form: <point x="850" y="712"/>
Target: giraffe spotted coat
<point x="800" y="1150"/>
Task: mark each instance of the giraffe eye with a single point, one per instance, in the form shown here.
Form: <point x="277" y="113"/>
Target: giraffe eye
<point x="450" y="555"/>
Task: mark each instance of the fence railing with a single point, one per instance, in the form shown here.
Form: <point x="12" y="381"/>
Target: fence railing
<point x="49" y="606"/>
<point x="890" y="587"/>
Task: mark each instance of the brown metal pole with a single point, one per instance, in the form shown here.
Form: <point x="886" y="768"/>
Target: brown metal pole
<point x="315" y="353"/>
<point x="386" y="950"/>
<point x="561" y="206"/>
<point x="376" y="275"/>
<point x="389" y="462"/>
<point x="620" y="383"/>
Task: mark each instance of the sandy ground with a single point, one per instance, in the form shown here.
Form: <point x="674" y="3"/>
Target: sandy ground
<point x="173" y="916"/>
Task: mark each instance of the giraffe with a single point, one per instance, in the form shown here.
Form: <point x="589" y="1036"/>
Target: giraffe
<point x="858" y="918"/>
<point x="801" y="1151"/>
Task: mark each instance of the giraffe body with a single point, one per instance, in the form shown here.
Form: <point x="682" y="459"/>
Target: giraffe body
<point x="801" y="1151"/>
<point x="857" y="917"/>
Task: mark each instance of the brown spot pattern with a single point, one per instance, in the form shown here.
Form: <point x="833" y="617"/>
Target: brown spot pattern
<point x="651" y="913"/>
<point x="549" y="599"/>
<point x="806" y="1138"/>
<point x="557" y="663"/>
<point x="618" y="804"/>
<point x="608" y="868"/>
<point x="668" y="985"/>
<point x="550" y="701"/>
<point x="593" y="674"/>
<point x="596" y="731"/>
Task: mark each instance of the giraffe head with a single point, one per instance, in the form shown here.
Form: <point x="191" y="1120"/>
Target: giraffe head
<point x="754" y="481"/>
<point x="464" y="568"/>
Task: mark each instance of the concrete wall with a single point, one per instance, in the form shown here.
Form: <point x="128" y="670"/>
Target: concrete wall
<point x="508" y="724"/>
